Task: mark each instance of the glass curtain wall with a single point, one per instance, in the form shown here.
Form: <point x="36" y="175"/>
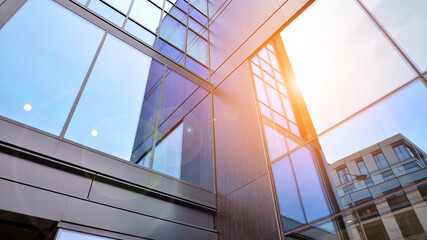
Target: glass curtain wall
<point x="355" y="121"/>
<point x="177" y="28"/>
<point x="94" y="90"/>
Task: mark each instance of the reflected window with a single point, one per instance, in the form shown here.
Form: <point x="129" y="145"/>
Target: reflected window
<point x="112" y="99"/>
<point x="167" y="155"/>
<point x="369" y="182"/>
<point x="423" y="190"/>
<point x="403" y="152"/>
<point x="412" y="167"/>
<point x="380" y="160"/>
<point x="375" y="230"/>
<point x="362" y="167"/>
<point x="387" y="175"/>
<point x="43" y="64"/>
<point x="398" y="201"/>
<point x="343" y="174"/>
<point x="368" y="212"/>
<point x="409" y="224"/>
<point x="72" y="235"/>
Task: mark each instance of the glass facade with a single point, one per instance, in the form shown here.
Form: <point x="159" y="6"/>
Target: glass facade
<point x="95" y="90"/>
<point x="179" y="29"/>
<point x="350" y="95"/>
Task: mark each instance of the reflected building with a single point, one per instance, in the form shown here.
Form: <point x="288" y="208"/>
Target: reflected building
<point x="392" y="167"/>
<point x="213" y="119"/>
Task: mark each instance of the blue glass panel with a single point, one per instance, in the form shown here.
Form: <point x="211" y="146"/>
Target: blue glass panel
<point x="198" y="16"/>
<point x="146" y="14"/>
<point x="176" y="90"/>
<point x="287" y="194"/>
<point x="43" y="64"/>
<point x="201" y="5"/>
<point x="107" y="12"/>
<point x="112" y="100"/>
<point x="72" y="235"/>
<point x="173" y="32"/>
<point x="146" y="160"/>
<point x="196" y="147"/>
<point x="196" y="67"/>
<point x="312" y="194"/>
<point x="171" y="51"/>
<point x="140" y="32"/>
<point x="176" y="12"/>
<point x="167" y="155"/>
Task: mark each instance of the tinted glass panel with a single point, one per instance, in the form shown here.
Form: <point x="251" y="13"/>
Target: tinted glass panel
<point x="173" y="32"/>
<point x="43" y="64"/>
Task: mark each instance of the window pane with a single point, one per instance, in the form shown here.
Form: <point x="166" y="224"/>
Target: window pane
<point x="43" y="64"/>
<point x="312" y="195"/>
<point x="275" y="143"/>
<point x="121" y="5"/>
<point x="287" y="194"/>
<point x="72" y="235"/>
<point x="147" y="14"/>
<point x="173" y="32"/>
<point x="167" y="156"/>
<point x="107" y="12"/>
<point x="405" y="21"/>
<point x="197" y="47"/>
<point x="140" y="32"/>
<point x="112" y="99"/>
<point x="336" y="63"/>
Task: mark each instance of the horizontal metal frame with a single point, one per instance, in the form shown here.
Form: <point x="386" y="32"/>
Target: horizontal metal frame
<point x="64" y="164"/>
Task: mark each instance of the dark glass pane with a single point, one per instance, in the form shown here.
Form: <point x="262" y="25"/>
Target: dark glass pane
<point x="111" y="102"/>
<point x="410" y="225"/>
<point x="43" y="64"/>
<point x="398" y="201"/>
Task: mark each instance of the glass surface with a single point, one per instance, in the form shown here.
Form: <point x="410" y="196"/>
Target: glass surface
<point x="72" y="235"/>
<point x="107" y="12"/>
<point x="198" y="16"/>
<point x="121" y="5"/>
<point x="275" y="143"/>
<point x="171" y="51"/>
<point x="197" y="47"/>
<point x="197" y="68"/>
<point x="43" y="64"/>
<point x="381" y="161"/>
<point x="287" y="194"/>
<point x="201" y="5"/>
<point x="146" y="14"/>
<point x="173" y="32"/>
<point x="362" y="167"/>
<point x="167" y="155"/>
<point x="112" y="99"/>
<point x="140" y="32"/>
<point x="405" y="21"/>
<point x="341" y="66"/>
<point x="402" y="113"/>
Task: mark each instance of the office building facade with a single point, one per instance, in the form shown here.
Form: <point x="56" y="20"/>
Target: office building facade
<point x="201" y="119"/>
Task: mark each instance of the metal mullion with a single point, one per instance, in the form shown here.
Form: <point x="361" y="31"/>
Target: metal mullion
<point x="199" y="10"/>
<point x="160" y="25"/>
<point x="8" y="9"/>
<point x="213" y="145"/>
<point x="393" y="42"/>
<point x="87" y="3"/>
<point x="79" y="94"/>
<point x="186" y="34"/>
<point x="156" y="123"/>
<point x="128" y="13"/>
<point x="209" y="43"/>
<point x="199" y="22"/>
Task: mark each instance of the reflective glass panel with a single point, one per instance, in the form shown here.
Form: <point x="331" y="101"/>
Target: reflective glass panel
<point x="341" y="66"/>
<point x="197" y="47"/>
<point x="121" y="5"/>
<point x="167" y="155"/>
<point x="405" y="21"/>
<point x="72" y="235"/>
<point x="107" y="12"/>
<point x="43" y="64"/>
<point x="173" y="32"/>
<point x="140" y="32"/>
<point x="107" y="115"/>
<point x="147" y="14"/>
